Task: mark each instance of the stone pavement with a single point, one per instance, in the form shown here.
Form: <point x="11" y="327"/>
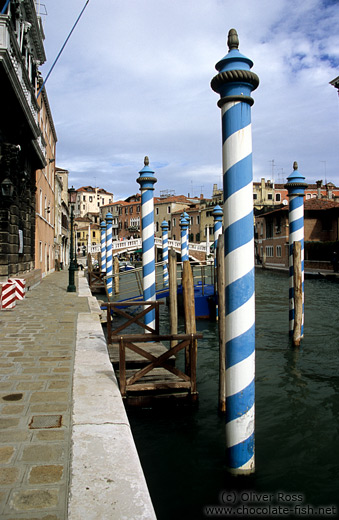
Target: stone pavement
<point x="37" y="347"/>
<point x="66" y="448"/>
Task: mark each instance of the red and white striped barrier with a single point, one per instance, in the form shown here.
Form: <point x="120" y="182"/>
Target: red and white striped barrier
<point x="20" y="287"/>
<point x="8" y="296"/>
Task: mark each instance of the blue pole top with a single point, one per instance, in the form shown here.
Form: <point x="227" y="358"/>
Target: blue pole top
<point x="217" y="212"/>
<point x="296" y="182"/>
<point x="164" y="225"/>
<point x="146" y="179"/>
<point x="103" y="225"/>
<point x="183" y="223"/>
<point x="109" y="217"/>
<point x="234" y="60"/>
<point x="235" y="80"/>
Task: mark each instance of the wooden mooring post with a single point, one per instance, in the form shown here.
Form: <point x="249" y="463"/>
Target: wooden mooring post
<point x="116" y="275"/>
<point x="298" y="294"/>
<point x="221" y="323"/>
<point x="173" y="293"/>
<point x="189" y="307"/>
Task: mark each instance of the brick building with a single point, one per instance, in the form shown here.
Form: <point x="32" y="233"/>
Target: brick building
<point x="321" y="218"/>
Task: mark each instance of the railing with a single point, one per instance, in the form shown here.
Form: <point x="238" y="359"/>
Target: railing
<point x="182" y="380"/>
<point x="131" y="319"/>
<point x="135" y="243"/>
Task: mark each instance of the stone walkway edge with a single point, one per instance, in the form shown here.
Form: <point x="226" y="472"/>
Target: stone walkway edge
<point x="106" y="481"/>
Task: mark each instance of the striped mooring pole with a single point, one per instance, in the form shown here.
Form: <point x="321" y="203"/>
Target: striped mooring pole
<point x="147" y="181"/>
<point x="103" y="246"/>
<point x="184" y="243"/>
<point x="109" y="257"/>
<point x="296" y="191"/>
<point x="235" y="82"/>
<point x="164" y="228"/>
<point x="217" y="216"/>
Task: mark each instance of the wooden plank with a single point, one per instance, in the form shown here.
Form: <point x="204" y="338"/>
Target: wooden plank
<point x="156" y="349"/>
<point x="298" y="294"/>
<point x="155" y="337"/>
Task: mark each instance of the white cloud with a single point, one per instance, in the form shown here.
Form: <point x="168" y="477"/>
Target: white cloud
<point x="134" y="80"/>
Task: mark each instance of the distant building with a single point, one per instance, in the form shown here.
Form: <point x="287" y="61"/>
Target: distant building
<point x="90" y="200"/>
<point x="320" y="229"/>
<point x="62" y="212"/>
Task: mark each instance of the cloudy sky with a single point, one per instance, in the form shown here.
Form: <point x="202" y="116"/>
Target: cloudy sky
<point x="134" y="80"/>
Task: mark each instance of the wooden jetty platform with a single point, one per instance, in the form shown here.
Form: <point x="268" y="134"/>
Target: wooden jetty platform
<point x="145" y="367"/>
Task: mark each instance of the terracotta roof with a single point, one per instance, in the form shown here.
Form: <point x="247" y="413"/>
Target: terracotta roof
<point x="90" y="189"/>
<point x="320" y="204"/>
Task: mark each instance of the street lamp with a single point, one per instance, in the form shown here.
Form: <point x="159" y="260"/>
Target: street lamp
<point x="75" y="246"/>
<point x="71" y="285"/>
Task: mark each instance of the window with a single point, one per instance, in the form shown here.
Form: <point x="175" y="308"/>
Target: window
<point x="277" y="197"/>
<point x="270" y="196"/>
<point x="40" y="251"/>
<point x="131" y="209"/>
<point x="198" y="219"/>
<point x="84" y="198"/>
<point x="91" y="199"/>
<point x="173" y="220"/>
<point x="138" y="209"/>
<point x="157" y="211"/>
<point x="169" y="225"/>
<point x="93" y="234"/>
<point x="255" y="196"/>
<point x="269" y="251"/>
<point x="197" y="237"/>
<point x="278" y="250"/>
<point x="278" y="225"/>
<point x="174" y="238"/>
<point x="157" y="227"/>
<point x="168" y="209"/>
<point x="269" y="228"/>
<point x="83" y="207"/>
<point x="125" y="224"/>
<point x="126" y="211"/>
<point x="40" y="202"/>
<point x="308" y="196"/>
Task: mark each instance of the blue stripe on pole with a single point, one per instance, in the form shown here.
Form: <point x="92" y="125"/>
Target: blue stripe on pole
<point x="238" y="176"/>
<point x="296" y="225"/>
<point x="240" y="348"/>
<point x="239" y="233"/>
<point x="241" y="453"/>
<point x="235" y="119"/>
<point x="147" y="220"/>
<point x="239" y="292"/>
<point x="148" y="244"/>
<point x="149" y="268"/>
<point x="239" y="404"/>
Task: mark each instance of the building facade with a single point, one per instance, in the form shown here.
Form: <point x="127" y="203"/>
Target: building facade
<point x="22" y="147"/>
<point x="90" y="200"/>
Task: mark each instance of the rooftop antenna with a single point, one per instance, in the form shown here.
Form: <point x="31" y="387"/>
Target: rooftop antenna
<point x="324" y="171"/>
<point x="62" y="48"/>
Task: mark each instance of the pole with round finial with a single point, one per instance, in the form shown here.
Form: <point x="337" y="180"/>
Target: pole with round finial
<point x="296" y="191"/>
<point x="109" y="258"/>
<point x="235" y="82"/>
<point x="147" y="181"/>
<point x="164" y="228"/>
<point x="103" y="246"/>
<point x="184" y="244"/>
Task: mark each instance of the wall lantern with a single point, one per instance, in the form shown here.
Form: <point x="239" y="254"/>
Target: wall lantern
<point x="7" y="188"/>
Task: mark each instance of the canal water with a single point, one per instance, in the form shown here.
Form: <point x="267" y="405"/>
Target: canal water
<point x="182" y="449"/>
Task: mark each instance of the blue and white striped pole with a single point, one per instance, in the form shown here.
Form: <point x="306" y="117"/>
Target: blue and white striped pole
<point x="217" y="216"/>
<point x="187" y="217"/>
<point x="235" y="83"/>
<point x="296" y="191"/>
<point x="147" y="181"/>
<point x="109" y="262"/>
<point x="164" y="228"/>
<point x="184" y="242"/>
<point x="103" y="246"/>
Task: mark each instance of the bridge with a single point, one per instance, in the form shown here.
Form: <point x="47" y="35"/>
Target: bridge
<point x="197" y="252"/>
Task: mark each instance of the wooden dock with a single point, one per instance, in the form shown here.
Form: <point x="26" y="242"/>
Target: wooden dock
<point x="145" y="366"/>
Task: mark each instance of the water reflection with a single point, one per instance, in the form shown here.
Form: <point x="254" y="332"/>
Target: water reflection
<point x="297" y="412"/>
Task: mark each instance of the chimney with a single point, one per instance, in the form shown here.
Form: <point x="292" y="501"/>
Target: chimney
<point x="201" y="196"/>
<point x="319" y="183"/>
<point x="329" y="190"/>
